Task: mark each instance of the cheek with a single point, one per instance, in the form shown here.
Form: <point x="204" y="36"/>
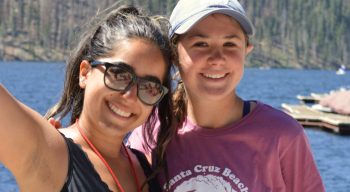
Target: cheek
<point x="146" y="112"/>
<point x="187" y="63"/>
<point x="185" y="58"/>
<point x="92" y="98"/>
<point x="94" y="87"/>
<point x="186" y="71"/>
<point x="237" y="58"/>
<point x="188" y="59"/>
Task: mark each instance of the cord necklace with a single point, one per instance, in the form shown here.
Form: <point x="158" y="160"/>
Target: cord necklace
<point x="120" y="188"/>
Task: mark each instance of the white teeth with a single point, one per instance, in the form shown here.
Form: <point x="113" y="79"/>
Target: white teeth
<point x="119" y="111"/>
<point x="214" y="76"/>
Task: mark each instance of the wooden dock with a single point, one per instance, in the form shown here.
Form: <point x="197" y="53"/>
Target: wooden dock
<point x="310" y="117"/>
<point x="313" y="98"/>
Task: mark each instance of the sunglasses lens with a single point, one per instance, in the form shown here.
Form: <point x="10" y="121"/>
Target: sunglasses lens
<point x="150" y="92"/>
<point x="118" y="78"/>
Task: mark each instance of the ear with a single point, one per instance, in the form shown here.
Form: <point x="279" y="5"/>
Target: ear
<point x="84" y="72"/>
<point x="249" y="48"/>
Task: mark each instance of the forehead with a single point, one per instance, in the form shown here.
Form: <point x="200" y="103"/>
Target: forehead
<point x="218" y="24"/>
<point x="144" y="56"/>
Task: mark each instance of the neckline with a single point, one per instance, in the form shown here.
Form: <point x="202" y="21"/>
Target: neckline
<point x="194" y="128"/>
<point x="94" y="149"/>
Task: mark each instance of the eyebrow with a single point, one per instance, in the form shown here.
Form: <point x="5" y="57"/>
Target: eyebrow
<point x="199" y="35"/>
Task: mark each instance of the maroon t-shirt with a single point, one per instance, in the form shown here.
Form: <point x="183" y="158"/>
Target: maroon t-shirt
<point x="265" y="151"/>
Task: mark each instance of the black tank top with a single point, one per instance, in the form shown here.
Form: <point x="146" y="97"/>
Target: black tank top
<point x="82" y="176"/>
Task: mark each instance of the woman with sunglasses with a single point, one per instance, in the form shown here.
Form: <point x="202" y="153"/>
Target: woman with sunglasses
<point x="117" y="79"/>
<point x="224" y="143"/>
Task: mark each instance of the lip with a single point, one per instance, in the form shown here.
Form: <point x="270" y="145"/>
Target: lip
<point x="122" y="113"/>
<point x="214" y="76"/>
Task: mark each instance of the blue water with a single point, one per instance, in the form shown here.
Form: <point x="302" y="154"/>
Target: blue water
<point x="39" y="86"/>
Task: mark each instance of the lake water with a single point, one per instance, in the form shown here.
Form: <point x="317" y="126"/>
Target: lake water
<point x="39" y="86"/>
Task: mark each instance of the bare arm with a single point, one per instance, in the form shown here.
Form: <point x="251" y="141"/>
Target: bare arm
<point x="338" y="101"/>
<point x="29" y="146"/>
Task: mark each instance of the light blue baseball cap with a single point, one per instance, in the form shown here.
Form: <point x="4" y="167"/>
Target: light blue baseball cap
<point x="189" y="12"/>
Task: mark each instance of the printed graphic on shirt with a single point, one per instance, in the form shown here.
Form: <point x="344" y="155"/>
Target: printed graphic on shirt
<point x="205" y="183"/>
<point x="206" y="178"/>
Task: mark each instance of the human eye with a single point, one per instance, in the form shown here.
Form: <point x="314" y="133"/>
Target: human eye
<point x="230" y="44"/>
<point x="200" y="44"/>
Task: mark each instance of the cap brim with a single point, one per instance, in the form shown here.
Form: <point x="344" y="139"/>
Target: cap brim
<point x="190" y="22"/>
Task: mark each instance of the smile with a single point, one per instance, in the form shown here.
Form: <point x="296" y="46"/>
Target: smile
<point x="214" y="76"/>
<point x="118" y="111"/>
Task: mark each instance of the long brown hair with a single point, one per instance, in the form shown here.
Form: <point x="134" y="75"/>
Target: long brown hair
<point x="98" y="40"/>
<point x="179" y="97"/>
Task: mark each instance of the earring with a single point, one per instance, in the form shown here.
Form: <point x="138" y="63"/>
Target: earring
<point x="81" y="80"/>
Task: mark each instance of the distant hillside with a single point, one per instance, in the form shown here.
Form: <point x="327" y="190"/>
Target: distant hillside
<point x="290" y="33"/>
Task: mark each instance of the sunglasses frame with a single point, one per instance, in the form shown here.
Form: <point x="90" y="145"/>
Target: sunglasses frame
<point x="135" y="79"/>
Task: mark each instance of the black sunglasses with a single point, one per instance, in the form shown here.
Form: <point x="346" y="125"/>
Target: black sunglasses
<point x="120" y="76"/>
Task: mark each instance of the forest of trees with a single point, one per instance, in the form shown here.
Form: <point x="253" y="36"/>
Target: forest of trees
<point x="289" y="33"/>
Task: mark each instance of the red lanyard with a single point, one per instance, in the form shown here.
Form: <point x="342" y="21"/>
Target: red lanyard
<point x="120" y="188"/>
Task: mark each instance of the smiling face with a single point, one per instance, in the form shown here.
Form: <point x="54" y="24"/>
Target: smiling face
<point x="121" y="111"/>
<point x="211" y="57"/>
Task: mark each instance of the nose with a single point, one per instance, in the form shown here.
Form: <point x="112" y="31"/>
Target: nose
<point x="216" y="56"/>
<point x="131" y="93"/>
